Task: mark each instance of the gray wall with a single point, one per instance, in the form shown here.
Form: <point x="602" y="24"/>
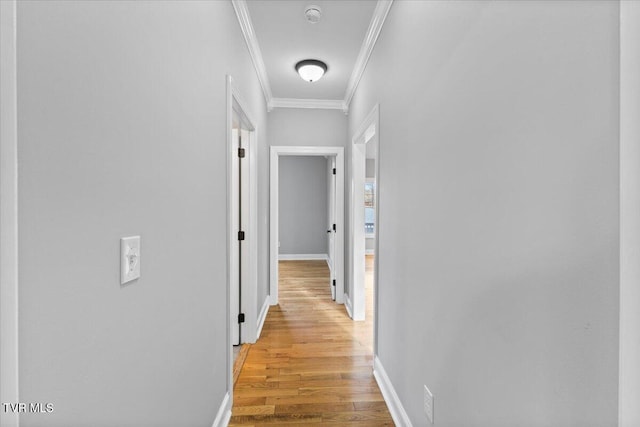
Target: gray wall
<point x="301" y="126"/>
<point x="303" y="205"/>
<point x="122" y="118"/>
<point x="499" y="136"/>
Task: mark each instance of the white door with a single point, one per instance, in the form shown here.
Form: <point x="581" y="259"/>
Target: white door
<point x="331" y="226"/>
<point x="239" y="223"/>
<point x="234" y="223"/>
<point x="243" y="220"/>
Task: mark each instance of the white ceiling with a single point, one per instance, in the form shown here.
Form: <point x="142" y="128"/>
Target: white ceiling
<point x="286" y="37"/>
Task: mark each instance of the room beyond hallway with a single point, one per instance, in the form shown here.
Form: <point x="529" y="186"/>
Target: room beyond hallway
<point x="312" y="364"/>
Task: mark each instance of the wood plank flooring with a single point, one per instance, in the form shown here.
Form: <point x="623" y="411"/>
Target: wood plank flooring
<point x="312" y="364"/>
<point x="239" y="362"/>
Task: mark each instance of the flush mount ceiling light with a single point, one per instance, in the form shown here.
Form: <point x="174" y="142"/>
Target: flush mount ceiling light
<point x="313" y="14"/>
<point x="311" y="70"/>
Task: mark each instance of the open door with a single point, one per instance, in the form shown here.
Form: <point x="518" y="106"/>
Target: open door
<point x="240" y="200"/>
<point x="331" y="226"/>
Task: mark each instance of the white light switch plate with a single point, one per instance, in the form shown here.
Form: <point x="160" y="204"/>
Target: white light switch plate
<point x="129" y="259"/>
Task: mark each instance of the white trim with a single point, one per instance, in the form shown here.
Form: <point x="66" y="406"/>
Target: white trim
<point x="224" y="412"/>
<point x="246" y="26"/>
<point x="368" y="133"/>
<point x="375" y="27"/>
<point x="327" y="104"/>
<point x="399" y="415"/>
<point x="629" y="362"/>
<point x="369" y="251"/>
<point x="9" y="386"/>
<point x="348" y="305"/>
<point x="303" y="257"/>
<point x="273" y="227"/>
<point x="262" y="317"/>
<point x="275" y="153"/>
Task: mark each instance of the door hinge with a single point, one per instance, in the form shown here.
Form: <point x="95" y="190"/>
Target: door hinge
<point x="334" y="171"/>
<point x="240" y="235"/>
<point x="334" y="227"/>
<point x="241" y="153"/>
<point x="241" y="318"/>
<point x="334" y="282"/>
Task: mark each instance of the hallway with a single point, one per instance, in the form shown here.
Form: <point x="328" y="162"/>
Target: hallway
<point x="312" y="364"/>
<point x="141" y="231"/>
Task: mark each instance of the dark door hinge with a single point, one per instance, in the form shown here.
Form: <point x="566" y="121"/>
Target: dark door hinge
<point x="334" y="227"/>
<point x="241" y="318"/>
<point x="334" y="171"/>
<point x="241" y="152"/>
<point x="334" y="282"/>
<point x="240" y="235"/>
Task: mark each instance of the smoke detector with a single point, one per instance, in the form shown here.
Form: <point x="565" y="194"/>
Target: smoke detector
<point x="313" y="14"/>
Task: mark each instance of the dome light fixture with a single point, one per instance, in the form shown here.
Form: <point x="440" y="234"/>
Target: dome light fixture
<point x="311" y="70"/>
<point x="313" y="14"/>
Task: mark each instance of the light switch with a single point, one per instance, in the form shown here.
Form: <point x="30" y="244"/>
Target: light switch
<point x="129" y="259"/>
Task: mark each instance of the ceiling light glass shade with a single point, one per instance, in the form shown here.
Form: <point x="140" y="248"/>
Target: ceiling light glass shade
<point x="311" y="70"/>
<point x="313" y="14"/>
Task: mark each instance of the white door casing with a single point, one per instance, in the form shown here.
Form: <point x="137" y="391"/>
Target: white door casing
<point x="338" y="264"/>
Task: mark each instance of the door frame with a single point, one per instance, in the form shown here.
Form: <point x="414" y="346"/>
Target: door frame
<point x="368" y="133"/>
<point x="249" y="289"/>
<point x="9" y="387"/>
<point x="275" y="153"/>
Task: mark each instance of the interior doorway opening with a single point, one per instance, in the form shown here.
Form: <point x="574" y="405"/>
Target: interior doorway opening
<point x="242" y="236"/>
<point x="364" y="217"/>
<point x="332" y="228"/>
<point x="240" y="136"/>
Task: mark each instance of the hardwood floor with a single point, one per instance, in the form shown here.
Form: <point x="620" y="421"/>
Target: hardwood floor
<point x="238" y="363"/>
<point x="312" y="364"/>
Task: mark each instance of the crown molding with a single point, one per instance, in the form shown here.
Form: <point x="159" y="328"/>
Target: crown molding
<point x="327" y="104"/>
<point x="244" y="19"/>
<point x="377" y="21"/>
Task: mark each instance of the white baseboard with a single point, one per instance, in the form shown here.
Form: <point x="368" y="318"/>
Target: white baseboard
<point x="262" y="316"/>
<point x="348" y="305"/>
<point x="399" y="415"/>
<point x="224" y="413"/>
<point x="302" y="257"/>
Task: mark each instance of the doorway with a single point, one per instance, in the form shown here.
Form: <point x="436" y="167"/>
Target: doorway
<point x="335" y="228"/>
<point x="364" y="213"/>
<point x="242" y="247"/>
<point x="240" y="136"/>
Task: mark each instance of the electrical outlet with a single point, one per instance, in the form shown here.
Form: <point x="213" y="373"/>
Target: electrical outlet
<point x="428" y="404"/>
